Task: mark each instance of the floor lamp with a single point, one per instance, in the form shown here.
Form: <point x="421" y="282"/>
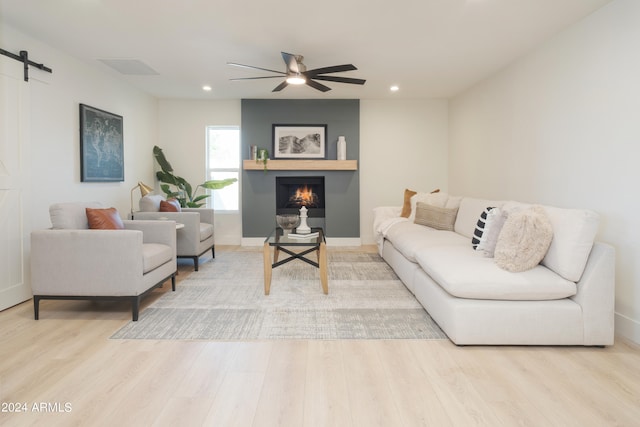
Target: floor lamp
<point x="144" y="190"/>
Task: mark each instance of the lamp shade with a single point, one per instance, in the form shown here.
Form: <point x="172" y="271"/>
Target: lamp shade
<point x="144" y="190"/>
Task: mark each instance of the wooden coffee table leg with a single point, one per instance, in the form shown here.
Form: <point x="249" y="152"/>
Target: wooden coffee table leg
<point x="322" y="263"/>
<point x="267" y="268"/>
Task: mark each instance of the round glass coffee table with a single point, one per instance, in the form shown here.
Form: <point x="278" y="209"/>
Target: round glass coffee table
<point x="287" y="242"/>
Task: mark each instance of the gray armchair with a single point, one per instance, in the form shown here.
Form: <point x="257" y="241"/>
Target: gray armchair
<point x="195" y="238"/>
<point x="78" y="263"/>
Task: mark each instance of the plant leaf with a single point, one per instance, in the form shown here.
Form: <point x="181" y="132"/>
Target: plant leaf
<point x="201" y="197"/>
<point x="161" y="159"/>
<point x="217" y="184"/>
<point x="167" y="177"/>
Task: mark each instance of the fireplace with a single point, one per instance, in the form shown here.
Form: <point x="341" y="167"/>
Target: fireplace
<point x="294" y="192"/>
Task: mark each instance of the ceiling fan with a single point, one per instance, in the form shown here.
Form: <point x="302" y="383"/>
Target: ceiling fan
<point x="296" y="73"/>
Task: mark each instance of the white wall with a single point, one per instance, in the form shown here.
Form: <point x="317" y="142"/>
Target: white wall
<point x="54" y="129"/>
<point x="403" y="144"/>
<point x="561" y="127"/>
<point x="182" y="136"/>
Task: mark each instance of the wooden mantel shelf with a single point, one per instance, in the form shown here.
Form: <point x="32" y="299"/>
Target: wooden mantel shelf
<point x="302" y="165"/>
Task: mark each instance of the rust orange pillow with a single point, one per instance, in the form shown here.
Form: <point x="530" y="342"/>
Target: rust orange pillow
<point x="170" y="205"/>
<point x="104" y="219"/>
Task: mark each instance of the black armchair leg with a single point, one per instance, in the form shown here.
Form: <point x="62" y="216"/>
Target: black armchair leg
<point x="213" y="251"/>
<point x="173" y="282"/>
<point x="36" y="307"/>
<point x="135" y="308"/>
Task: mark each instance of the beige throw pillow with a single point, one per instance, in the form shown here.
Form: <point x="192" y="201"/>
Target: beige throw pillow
<point x="435" y="217"/>
<point x="524" y="239"/>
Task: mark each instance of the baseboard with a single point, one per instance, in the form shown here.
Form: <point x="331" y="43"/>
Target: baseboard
<point x="627" y="328"/>
<point x="331" y="241"/>
<point x="343" y="241"/>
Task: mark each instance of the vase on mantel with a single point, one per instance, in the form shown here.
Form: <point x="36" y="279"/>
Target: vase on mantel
<point x="342" y="148"/>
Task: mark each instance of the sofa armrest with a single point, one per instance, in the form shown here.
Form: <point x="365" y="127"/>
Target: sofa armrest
<point x="206" y="214"/>
<point x="596" y="295"/>
<point x="188" y="237"/>
<point x="191" y="220"/>
<point x="86" y="262"/>
<point x="382" y="213"/>
<point x="154" y="231"/>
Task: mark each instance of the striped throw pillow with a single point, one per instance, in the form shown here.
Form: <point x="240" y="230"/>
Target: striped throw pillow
<point x="480" y="226"/>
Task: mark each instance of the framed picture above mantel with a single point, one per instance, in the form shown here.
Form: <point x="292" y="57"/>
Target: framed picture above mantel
<point x="291" y="141"/>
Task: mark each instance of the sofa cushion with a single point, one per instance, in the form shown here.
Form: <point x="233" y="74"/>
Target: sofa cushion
<point x="104" y="219"/>
<point x="465" y="273"/>
<point x="71" y="215"/>
<point x="206" y="231"/>
<point x="151" y="203"/>
<point x="524" y="240"/>
<point x="574" y="231"/>
<point x="408" y="238"/>
<point x="154" y="255"/>
<point x="435" y="217"/>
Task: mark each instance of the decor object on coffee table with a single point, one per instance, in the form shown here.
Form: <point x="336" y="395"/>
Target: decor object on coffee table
<point x="288" y="222"/>
<point x="303" y="228"/>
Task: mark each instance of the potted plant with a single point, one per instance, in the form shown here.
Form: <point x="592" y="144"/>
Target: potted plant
<point x="183" y="191"/>
<point x="263" y="156"/>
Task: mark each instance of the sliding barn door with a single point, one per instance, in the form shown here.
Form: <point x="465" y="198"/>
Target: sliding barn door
<point x="14" y="230"/>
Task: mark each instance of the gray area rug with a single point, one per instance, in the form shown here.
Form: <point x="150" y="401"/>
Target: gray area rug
<point x="225" y="301"/>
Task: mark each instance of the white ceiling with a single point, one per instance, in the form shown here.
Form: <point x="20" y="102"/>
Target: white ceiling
<point x="430" y="48"/>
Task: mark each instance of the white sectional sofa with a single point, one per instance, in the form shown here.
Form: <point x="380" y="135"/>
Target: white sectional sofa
<point x="568" y="299"/>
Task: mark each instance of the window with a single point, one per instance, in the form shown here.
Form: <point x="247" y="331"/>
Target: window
<point x="223" y="161"/>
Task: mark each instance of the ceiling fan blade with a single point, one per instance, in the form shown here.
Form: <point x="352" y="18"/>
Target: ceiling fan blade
<point x="290" y="60"/>
<point x="280" y="86"/>
<point x="256" y="78"/>
<point x="235" y="64"/>
<point x="332" y="69"/>
<point x="318" y="86"/>
<point x="340" y="79"/>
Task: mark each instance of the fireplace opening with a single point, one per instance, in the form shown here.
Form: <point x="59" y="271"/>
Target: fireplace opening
<point x="294" y="192"/>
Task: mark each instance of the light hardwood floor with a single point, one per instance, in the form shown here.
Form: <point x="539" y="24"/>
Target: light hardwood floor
<point x="67" y="362"/>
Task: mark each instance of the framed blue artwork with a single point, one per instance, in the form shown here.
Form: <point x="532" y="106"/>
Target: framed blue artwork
<point x="101" y="145"/>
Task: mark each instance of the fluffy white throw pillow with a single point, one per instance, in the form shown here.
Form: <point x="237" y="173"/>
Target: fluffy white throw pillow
<point x="524" y="239"/>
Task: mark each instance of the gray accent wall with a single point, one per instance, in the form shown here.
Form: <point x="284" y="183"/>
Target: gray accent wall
<point x="342" y="188"/>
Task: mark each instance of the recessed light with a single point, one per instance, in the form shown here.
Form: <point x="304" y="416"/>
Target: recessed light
<point x="394" y="88"/>
<point x="206" y="88"/>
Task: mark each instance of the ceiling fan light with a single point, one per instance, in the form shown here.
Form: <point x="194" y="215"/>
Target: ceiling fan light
<point x="296" y="79"/>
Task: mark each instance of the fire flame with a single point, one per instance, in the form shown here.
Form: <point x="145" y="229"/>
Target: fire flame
<point x="304" y="194"/>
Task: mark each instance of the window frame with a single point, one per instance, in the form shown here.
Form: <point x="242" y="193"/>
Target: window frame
<point x="210" y="170"/>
